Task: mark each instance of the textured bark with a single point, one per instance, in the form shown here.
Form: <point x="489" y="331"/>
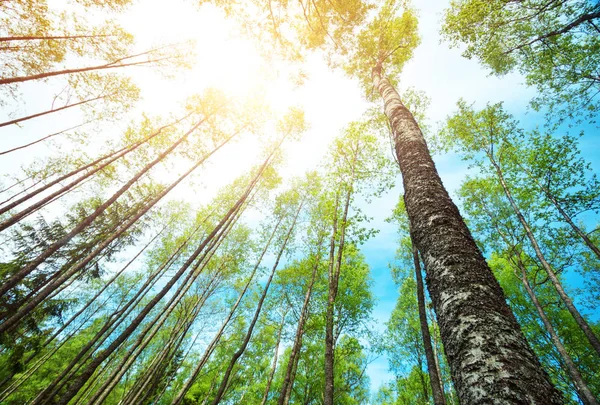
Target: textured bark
<point x="581" y="322"/>
<point x="489" y="358"/>
<point x="434" y="378"/>
<point x="583" y="390"/>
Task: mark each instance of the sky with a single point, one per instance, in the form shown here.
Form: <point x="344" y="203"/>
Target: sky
<point x="330" y="100"/>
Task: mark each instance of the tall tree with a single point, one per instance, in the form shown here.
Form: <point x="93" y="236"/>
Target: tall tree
<point x="476" y="324"/>
<point x="487" y="132"/>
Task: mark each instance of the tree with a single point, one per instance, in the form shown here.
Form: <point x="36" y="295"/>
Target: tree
<point x="405" y="310"/>
<point x="554" y="44"/>
<point x="486" y="132"/>
<point x="469" y="303"/>
<point x="497" y="228"/>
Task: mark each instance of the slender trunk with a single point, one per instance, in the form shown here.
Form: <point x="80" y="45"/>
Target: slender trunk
<point x="261" y="301"/>
<point x="329" y="361"/>
<point x="585" y="327"/>
<point x="112" y="156"/>
<point x="79" y="382"/>
<point x="435" y="353"/>
<point x="488" y="355"/>
<point x="564" y="214"/>
<point x="434" y="377"/>
<point x="275" y="357"/>
<point x="43" y="139"/>
<point x="123" y="312"/>
<point x="153" y="373"/>
<point x="29" y="117"/>
<point x="288" y="380"/>
<point x="76" y="268"/>
<point x="87" y="305"/>
<point x="582" y="388"/>
<point x="207" y="353"/>
<point x="111" y="65"/>
<point x="152" y="327"/>
<point x="334" y="278"/>
<point x="50" y="37"/>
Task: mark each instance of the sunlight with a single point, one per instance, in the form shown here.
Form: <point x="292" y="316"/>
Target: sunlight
<point x="224" y="58"/>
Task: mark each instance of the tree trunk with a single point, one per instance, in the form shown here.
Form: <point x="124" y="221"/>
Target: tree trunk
<point x="190" y="381"/>
<point x="434" y="378"/>
<point x="43" y="139"/>
<point x="29" y="117"/>
<point x="585" y="327"/>
<point x="275" y="356"/>
<point x="50" y="38"/>
<point x="329" y="360"/>
<point x="288" y="380"/>
<point x="563" y="213"/>
<point x="111" y="65"/>
<point x="489" y="357"/>
<point x="112" y="156"/>
<point x="583" y="390"/>
<point x="261" y="301"/>
<point x="76" y="384"/>
<point x="77" y="267"/>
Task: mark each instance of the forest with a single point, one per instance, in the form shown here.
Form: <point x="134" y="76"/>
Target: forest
<point x="299" y="202"/>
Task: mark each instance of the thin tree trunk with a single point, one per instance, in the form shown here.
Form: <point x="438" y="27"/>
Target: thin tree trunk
<point x="112" y="156"/>
<point x="288" y="380"/>
<point x="329" y="361"/>
<point x="334" y="277"/>
<point x="207" y="353"/>
<point x="582" y="388"/>
<point x="85" y="307"/>
<point x="563" y="213"/>
<point x="435" y="354"/>
<point x="111" y="324"/>
<point x="585" y="327"/>
<point x="261" y="301"/>
<point x="79" y="382"/>
<point x="73" y="270"/>
<point x="50" y="38"/>
<point x="434" y="378"/>
<point x="489" y="357"/>
<point x="152" y="327"/>
<point x="275" y="357"/>
<point x="111" y="65"/>
<point x="43" y="139"/>
<point x="29" y="117"/>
